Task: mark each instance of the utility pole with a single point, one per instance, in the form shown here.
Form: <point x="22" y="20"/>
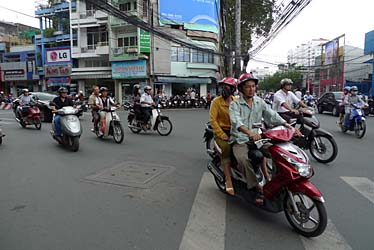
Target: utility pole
<point x="237" y="38"/>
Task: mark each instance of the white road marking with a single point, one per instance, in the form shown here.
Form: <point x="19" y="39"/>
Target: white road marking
<point x="207" y="222"/>
<point x="362" y="185"/>
<point x="331" y="239"/>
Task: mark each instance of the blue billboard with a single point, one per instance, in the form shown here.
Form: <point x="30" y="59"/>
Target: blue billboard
<point x="369" y="43"/>
<point x="129" y="69"/>
<point x="193" y="14"/>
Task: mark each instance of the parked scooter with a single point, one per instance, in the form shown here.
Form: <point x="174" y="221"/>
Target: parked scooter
<point x="70" y="127"/>
<point x="29" y="115"/>
<point x="289" y="190"/>
<point x="1" y="136"/>
<point x="319" y="142"/>
<point x="158" y="121"/>
<point x="110" y="125"/>
<point x="356" y="121"/>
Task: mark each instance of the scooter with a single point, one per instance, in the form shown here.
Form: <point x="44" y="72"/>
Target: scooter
<point x="356" y="121"/>
<point x="158" y="121"/>
<point x="70" y="127"/>
<point x="319" y="142"/>
<point x="110" y="125"/>
<point x="289" y="190"/>
<point x="1" y="136"/>
<point x="30" y="115"/>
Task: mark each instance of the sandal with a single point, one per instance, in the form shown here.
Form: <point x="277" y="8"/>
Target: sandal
<point x="230" y="190"/>
<point x="259" y="199"/>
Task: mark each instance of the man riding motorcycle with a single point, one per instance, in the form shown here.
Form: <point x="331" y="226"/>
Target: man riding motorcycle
<point x="284" y="100"/>
<point x="220" y="122"/>
<point x="244" y="112"/>
<point x="104" y="102"/>
<point x="94" y="108"/>
<point x="24" y="99"/>
<point x="57" y="103"/>
<point x="352" y="98"/>
<point x="146" y="102"/>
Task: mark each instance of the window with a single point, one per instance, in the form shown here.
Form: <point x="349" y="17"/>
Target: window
<point x="179" y="54"/>
<point x="131" y="41"/>
<point x="202" y="57"/>
<point x="97" y="37"/>
<point x="145" y="8"/>
<point x="125" y="7"/>
<point x="135" y="5"/>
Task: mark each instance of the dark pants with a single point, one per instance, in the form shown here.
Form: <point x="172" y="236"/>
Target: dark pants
<point x="95" y="118"/>
<point x="147" y="114"/>
<point x="288" y="116"/>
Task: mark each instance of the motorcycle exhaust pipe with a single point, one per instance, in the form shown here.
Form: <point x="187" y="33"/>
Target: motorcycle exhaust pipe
<point x="18" y="120"/>
<point x="135" y="127"/>
<point x="216" y="172"/>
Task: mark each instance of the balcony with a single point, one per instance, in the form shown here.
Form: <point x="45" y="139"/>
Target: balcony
<point x="117" y="22"/>
<point x="126" y="54"/>
<point x="50" y="10"/>
<point x="93" y="50"/>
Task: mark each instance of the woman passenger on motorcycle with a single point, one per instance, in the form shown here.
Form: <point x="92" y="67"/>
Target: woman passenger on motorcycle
<point x="104" y="102"/>
<point x="220" y="122"/>
<point x="342" y="104"/>
<point x="244" y="112"/>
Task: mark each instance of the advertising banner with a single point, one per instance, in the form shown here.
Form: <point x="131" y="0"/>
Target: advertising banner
<point x="129" y="69"/>
<point x="331" y="52"/>
<point x="203" y="14"/>
<point x="58" y="55"/>
<point x="144" y="41"/>
<point x="58" y="81"/>
<point x="57" y="70"/>
<point x="369" y="43"/>
<point x="13" y="71"/>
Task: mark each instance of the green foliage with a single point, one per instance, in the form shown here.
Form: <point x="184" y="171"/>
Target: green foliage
<point x="273" y="82"/>
<point x="48" y="32"/>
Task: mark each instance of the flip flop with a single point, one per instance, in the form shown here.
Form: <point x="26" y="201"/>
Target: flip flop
<point x="259" y="199"/>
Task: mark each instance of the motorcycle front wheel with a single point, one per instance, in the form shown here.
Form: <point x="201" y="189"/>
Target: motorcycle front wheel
<point x="118" y="133"/>
<point x="164" y="127"/>
<point x="360" y="129"/>
<point x="74" y="143"/>
<point x="38" y="123"/>
<point x="323" y="148"/>
<point x="311" y="218"/>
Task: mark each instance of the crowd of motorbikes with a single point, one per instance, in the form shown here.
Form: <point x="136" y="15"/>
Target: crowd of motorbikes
<point x="109" y="124"/>
<point x="183" y="101"/>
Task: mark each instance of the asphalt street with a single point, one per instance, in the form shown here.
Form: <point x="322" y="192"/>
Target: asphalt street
<point x="154" y="192"/>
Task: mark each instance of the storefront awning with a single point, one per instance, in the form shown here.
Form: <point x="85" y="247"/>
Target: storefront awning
<point x="91" y="75"/>
<point x="188" y="80"/>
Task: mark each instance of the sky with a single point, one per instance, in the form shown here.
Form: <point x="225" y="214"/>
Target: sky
<point x="320" y="19"/>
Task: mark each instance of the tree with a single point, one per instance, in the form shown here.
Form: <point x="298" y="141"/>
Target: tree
<point x="273" y="82"/>
<point x="256" y="20"/>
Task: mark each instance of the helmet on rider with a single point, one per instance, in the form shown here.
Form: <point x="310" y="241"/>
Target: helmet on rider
<point x="285" y="81"/>
<point x="246" y="77"/>
<point x="347" y="88"/>
<point x="62" y="90"/>
<point x="102" y="89"/>
<point x="354" y="90"/>
<point x="232" y="82"/>
<point x="25" y="91"/>
<point x="147" y="88"/>
<point x="230" y="88"/>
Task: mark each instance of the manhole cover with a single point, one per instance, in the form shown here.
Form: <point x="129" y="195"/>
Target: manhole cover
<point x="132" y="174"/>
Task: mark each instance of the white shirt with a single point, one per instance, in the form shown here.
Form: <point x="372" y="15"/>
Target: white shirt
<point x="281" y="97"/>
<point x="146" y="98"/>
<point x="193" y="95"/>
<point x="298" y="94"/>
<point x="108" y="103"/>
<point x="25" y="99"/>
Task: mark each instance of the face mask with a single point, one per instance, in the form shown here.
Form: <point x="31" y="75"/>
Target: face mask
<point x="226" y="93"/>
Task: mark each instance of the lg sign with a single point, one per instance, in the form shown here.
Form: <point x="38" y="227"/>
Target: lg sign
<point x="58" y="55"/>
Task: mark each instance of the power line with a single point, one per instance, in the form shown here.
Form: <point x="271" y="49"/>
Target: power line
<point x="18" y="12"/>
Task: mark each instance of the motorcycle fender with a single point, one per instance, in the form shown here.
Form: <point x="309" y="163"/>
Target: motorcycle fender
<point x="306" y="187"/>
<point x="320" y="131"/>
<point x="207" y="135"/>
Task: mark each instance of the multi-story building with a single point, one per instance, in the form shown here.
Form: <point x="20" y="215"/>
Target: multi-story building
<point x="90" y="47"/>
<point x="18" y="71"/>
<point x="305" y="54"/>
<point x="53" y="48"/>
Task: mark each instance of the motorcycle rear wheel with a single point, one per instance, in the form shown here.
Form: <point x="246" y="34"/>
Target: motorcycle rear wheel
<point x="134" y="130"/>
<point x="23" y="124"/>
<point x="316" y="152"/>
<point x="38" y="123"/>
<point x="360" y="129"/>
<point x="164" y="127"/>
<point x="118" y="133"/>
<point x="308" y="208"/>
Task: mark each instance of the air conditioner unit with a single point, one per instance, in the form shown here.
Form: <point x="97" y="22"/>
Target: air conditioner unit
<point x="132" y="50"/>
<point x="118" y="51"/>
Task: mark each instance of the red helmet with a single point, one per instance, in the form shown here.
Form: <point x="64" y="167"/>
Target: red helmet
<point x="246" y="77"/>
<point x="229" y="81"/>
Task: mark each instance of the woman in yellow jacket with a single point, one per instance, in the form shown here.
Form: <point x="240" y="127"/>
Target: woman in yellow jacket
<point x="220" y="122"/>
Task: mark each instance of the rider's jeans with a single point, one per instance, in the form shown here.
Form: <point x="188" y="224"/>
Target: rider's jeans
<point x="57" y="123"/>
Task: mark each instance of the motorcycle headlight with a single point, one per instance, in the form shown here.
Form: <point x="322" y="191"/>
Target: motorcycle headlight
<point x="304" y="169"/>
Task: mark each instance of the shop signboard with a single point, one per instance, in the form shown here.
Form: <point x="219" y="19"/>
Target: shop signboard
<point x="58" y="81"/>
<point x="57" y="70"/>
<point x="61" y="55"/>
<point x="13" y="71"/>
<point x="129" y="69"/>
<point x="145" y="41"/>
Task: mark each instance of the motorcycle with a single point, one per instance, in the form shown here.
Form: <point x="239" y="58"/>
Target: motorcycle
<point x="110" y="125"/>
<point x="356" y="121"/>
<point x="30" y="115"/>
<point x="318" y="141"/>
<point x="158" y="121"/>
<point x="289" y="190"/>
<point x="70" y="127"/>
<point x="1" y="136"/>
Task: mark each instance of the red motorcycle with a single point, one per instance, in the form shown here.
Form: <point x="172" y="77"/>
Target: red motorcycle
<point x="29" y="115"/>
<point x="289" y="190"/>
